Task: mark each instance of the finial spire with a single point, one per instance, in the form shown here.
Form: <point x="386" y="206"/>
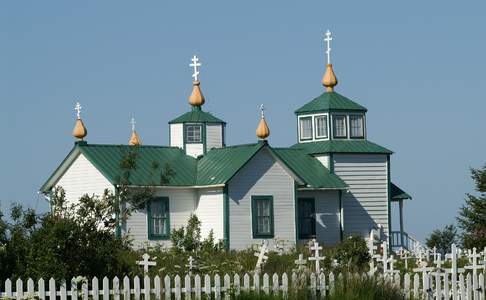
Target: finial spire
<point x="196" y="99"/>
<point x="79" y="130"/>
<point x="262" y="131"/>
<point x="78" y="108"/>
<point x="329" y="79"/>
<point x="135" y="138"/>
<point x="195" y="64"/>
<point x="328" y="40"/>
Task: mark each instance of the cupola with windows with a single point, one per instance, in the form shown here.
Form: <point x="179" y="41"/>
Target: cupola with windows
<point x="331" y="115"/>
<point x="196" y="131"/>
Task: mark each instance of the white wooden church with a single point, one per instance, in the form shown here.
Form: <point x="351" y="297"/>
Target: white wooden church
<point x="331" y="184"/>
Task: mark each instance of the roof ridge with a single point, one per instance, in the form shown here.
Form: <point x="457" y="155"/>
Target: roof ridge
<point x="125" y="145"/>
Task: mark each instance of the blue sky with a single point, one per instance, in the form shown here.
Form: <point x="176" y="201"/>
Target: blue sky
<point x="418" y="66"/>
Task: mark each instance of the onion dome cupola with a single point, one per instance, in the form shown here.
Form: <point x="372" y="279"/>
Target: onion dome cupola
<point x="79" y="131"/>
<point x="330" y="115"/>
<point x="196" y="131"/>
<point x="262" y="131"/>
<point x="134" y="138"/>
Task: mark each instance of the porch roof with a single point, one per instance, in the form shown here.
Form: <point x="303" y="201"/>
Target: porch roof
<point x="398" y="194"/>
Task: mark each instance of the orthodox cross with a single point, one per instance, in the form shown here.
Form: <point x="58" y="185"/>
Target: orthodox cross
<point x="132" y="122"/>
<point x="78" y="108"/>
<point x="316" y="256"/>
<point x="262" y="109"/>
<point x="391" y="270"/>
<point x="473" y="257"/>
<point x="195" y="64"/>
<point x="146" y="263"/>
<point x="262" y="257"/>
<point x="301" y="262"/>
<point x="190" y="264"/>
<point x="328" y="40"/>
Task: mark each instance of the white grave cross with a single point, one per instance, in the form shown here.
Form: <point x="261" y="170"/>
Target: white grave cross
<point x="146" y="263"/>
<point x="262" y="257"/>
<point x="316" y="256"/>
<point x="195" y="64"/>
<point x="301" y="262"/>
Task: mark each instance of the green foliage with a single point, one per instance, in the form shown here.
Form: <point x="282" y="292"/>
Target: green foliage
<point x="442" y="239"/>
<point x="472" y="215"/>
<point x="68" y="241"/>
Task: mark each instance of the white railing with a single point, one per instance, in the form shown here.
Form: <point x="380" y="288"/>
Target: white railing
<point x="409" y="242"/>
<point x="430" y="286"/>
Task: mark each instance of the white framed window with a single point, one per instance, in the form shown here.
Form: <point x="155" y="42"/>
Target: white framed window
<point x="320" y="123"/>
<point x="339" y="126"/>
<point x="193" y="134"/>
<point x="356" y="126"/>
<point x="305" y="128"/>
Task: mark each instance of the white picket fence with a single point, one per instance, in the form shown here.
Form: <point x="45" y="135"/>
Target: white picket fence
<point x="440" y="286"/>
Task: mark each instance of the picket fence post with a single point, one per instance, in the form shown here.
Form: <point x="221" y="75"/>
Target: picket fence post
<point x="42" y="289"/>
<point x="227" y="286"/>
<point x="285" y="285"/>
<point x="52" y="289"/>
<point x="30" y="288"/>
<point x="167" y="288"/>
<point x="236" y="283"/>
<point x="116" y="288"/>
<point x="197" y="287"/>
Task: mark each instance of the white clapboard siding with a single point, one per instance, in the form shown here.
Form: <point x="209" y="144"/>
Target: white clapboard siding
<point x="194" y="150"/>
<point x="182" y="203"/>
<point x="205" y="287"/>
<point x="328" y="227"/>
<point x="209" y="210"/>
<point x="214" y="136"/>
<point x="81" y="178"/>
<point x="262" y="175"/>
<point x="177" y="135"/>
<point x="366" y="204"/>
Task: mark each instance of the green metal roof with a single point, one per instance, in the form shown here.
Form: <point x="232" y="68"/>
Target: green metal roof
<point x="330" y="101"/>
<point x="309" y="169"/>
<point x="196" y="115"/>
<point x="398" y="194"/>
<point x="219" y="165"/>
<point x="341" y="146"/>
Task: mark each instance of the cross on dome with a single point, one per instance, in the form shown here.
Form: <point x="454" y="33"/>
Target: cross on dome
<point x="132" y="122"/>
<point x="195" y="64"/>
<point x="328" y="40"/>
<point x="78" y="108"/>
<point x="262" y="109"/>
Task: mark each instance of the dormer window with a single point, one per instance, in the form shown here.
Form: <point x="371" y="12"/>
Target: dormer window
<point x="306" y="128"/>
<point x="356" y="126"/>
<point x="339" y="125"/>
<point x="193" y="134"/>
<point x="321" y="126"/>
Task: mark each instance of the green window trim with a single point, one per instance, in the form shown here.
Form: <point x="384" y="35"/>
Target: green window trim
<point x="254" y="217"/>
<point x="188" y="136"/>
<point x="151" y="235"/>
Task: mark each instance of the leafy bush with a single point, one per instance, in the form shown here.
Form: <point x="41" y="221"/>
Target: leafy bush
<point x="443" y="239"/>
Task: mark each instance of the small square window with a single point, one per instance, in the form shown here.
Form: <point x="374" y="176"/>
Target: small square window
<point x="321" y="126"/>
<point x="262" y="216"/>
<point x="193" y="134"/>
<point x="339" y="126"/>
<point x="158" y="218"/>
<point x="305" y="128"/>
<point x="356" y="128"/>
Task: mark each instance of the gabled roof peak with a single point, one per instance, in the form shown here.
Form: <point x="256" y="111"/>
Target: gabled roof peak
<point x="330" y="101"/>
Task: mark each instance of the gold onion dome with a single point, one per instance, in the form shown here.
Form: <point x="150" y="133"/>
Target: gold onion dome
<point x="196" y="98"/>
<point x="262" y="131"/>
<point x="134" y="139"/>
<point x="329" y="79"/>
<point x="79" y="130"/>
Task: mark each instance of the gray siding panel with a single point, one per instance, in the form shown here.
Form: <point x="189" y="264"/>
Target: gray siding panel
<point x="366" y="204"/>
<point x="263" y="175"/>
<point x="328" y="227"/>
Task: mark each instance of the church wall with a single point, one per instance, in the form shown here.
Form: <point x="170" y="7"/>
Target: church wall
<point x="324" y="160"/>
<point x="83" y="178"/>
<point x="214" y="136"/>
<point x="328" y="221"/>
<point x="182" y="203"/>
<point x="263" y="175"/>
<point x="366" y="204"/>
<point x="209" y="210"/>
<point x="177" y="135"/>
<point x="194" y="150"/>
